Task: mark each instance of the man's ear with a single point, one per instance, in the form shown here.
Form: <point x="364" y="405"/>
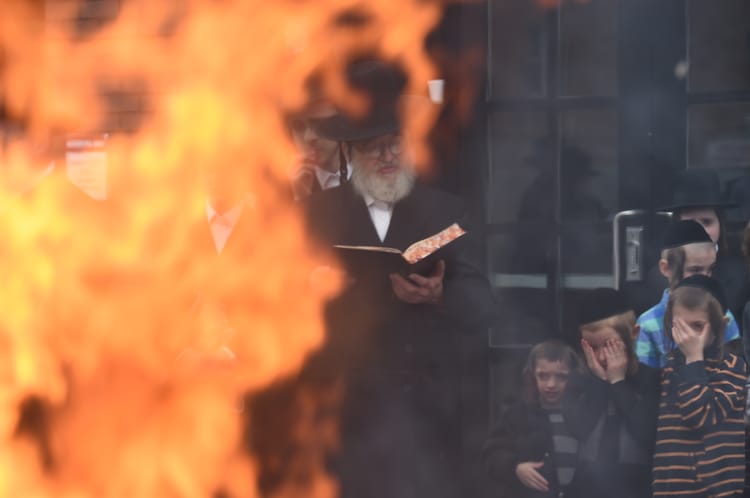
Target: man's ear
<point x="635" y="332"/>
<point x="664" y="269"/>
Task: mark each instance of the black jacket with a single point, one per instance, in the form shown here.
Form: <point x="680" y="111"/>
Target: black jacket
<point x="635" y="402"/>
<point x="400" y="361"/>
<point x="523" y="434"/>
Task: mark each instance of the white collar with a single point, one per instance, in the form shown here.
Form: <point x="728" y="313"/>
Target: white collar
<point x="371" y="201"/>
<point x="232" y="215"/>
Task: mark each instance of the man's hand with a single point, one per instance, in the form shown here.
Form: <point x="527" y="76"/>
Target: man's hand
<point x="691" y="342"/>
<point x="418" y="289"/>
<point x="617" y="360"/>
<point x="596" y="368"/>
<point x="531" y="478"/>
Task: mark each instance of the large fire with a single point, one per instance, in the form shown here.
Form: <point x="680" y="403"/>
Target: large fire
<point x="125" y="349"/>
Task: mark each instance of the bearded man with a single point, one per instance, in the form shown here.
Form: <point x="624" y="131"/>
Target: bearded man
<point x="393" y="338"/>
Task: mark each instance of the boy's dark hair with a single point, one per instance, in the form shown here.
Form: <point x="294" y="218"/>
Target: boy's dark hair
<point x="552" y="350"/>
<point x="694" y="298"/>
<point x="624" y="323"/>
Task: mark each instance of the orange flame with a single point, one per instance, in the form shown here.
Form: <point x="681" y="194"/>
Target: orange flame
<point x="125" y="350"/>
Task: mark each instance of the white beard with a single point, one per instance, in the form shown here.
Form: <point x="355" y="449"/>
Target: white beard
<point x="389" y="189"/>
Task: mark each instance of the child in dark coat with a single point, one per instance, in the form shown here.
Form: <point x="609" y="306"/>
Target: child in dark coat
<point x="531" y="453"/>
<point x="615" y="416"/>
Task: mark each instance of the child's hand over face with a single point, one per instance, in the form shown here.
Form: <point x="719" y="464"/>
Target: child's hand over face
<point x="530" y="477"/>
<point x="691" y="342"/>
<point x="593" y="363"/>
<point x="617" y="360"/>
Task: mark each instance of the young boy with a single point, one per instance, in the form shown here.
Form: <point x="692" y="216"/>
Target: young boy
<point x="615" y="417"/>
<point x="687" y="250"/>
<point x="531" y="452"/>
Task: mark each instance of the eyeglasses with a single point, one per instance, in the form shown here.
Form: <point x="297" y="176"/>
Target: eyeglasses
<point x="374" y="149"/>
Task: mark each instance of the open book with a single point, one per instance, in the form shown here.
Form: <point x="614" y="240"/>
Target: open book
<point x="420" y="257"/>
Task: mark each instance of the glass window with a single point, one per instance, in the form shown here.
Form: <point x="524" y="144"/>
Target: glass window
<point x="518" y="49"/>
<point x="719" y="45"/>
<point x="719" y="138"/>
<point x="529" y="248"/>
<point x="528" y="317"/>
<point x="719" y="135"/>
<point x="521" y="181"/>
<point x="588" y="48"/>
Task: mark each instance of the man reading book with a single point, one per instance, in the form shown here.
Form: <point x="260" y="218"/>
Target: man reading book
<point x="393" y="339"/>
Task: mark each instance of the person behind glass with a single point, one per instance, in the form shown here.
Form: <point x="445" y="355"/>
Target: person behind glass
<point x="700" y="437"/>
<point x="697" y="196"/>
<point x="687" y="250"/>
<point x="322" y="163"/>
<point x="531" y="452"/>
<point x="614" y="419"/>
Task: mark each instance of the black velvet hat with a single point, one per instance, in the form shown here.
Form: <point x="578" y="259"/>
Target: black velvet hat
<point x="598" y="304"/>
<point x="574" y="161"/>
<point x="383" y="84"/>
<point x="684" y="232"/>
<point x="695" y="189"/>
<point x="708" y="284"/>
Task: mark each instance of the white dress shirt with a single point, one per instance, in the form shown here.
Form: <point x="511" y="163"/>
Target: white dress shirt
<point x="380" y="214"/>
<point x="327" y="180"/>
<point x="222" y="224"/>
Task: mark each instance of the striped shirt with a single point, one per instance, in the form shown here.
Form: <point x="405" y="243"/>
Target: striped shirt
<point x="700" y="439"/>
<point x="564" y="446"/>
<point x="651" y="345"/>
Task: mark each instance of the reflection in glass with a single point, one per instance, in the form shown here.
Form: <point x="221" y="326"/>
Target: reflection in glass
<point x="513" y="136"/>
<point x="588" y="181"/>
<point x="588" y="48"/>
<point x="719" y="44"/>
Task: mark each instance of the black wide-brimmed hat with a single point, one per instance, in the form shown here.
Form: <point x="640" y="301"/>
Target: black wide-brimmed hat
<point x="575" y="163"/>
<point x="382" y="83"/>
<point x="598" y="304"/>
<point x="695" y="189"/>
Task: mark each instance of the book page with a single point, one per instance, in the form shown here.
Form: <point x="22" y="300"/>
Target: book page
<point x="370" y="248"/>
<point x="423" y="248"/>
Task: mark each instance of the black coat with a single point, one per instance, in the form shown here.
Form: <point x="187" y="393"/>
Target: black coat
<point x="523" y="434"/>
<point x="636" y="404"/>
<point x="400" y="361"/>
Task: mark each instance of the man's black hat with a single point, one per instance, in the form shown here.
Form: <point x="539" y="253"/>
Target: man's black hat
<point x="383" y="84"/>
<point x="684" y="232"/>
<point x="708" y="284"/>
<point x="574" y="161"/>
<point x="598" y="304"/>
<point x="695" y="189"/>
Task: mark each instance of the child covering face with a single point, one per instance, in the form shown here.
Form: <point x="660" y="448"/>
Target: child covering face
<point x="530" y="452"/>
<point x="615" y="417"/>
<point x="700" y="436"/>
